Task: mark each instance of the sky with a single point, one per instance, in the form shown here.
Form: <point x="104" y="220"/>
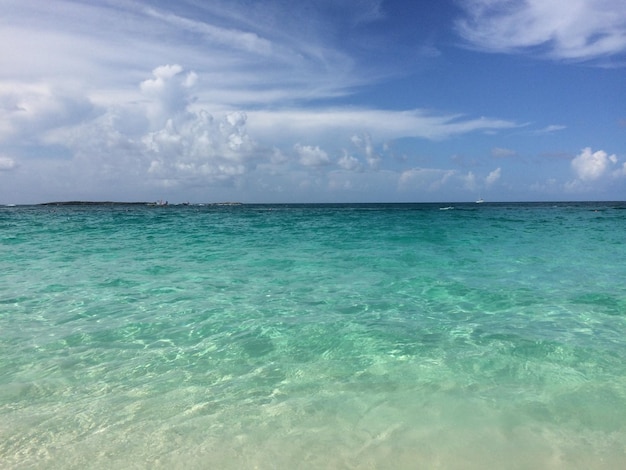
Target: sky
<point x="282" y="101"/>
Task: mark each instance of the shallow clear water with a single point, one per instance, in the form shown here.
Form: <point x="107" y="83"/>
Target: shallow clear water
<point x="329" y="336"/>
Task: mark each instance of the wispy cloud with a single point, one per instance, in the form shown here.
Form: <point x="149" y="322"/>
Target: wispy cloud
<point x="261" y="96"/>
<point x="104" y="46"/>
<point x="499" y="152"/>
<point x="246" y="41"/>
<point x="550" y="129"/>
<point x="384" y="124"/>
<point x="165" y="137"/>
<point x="558" y="29"/>
<point x="28" y="110"/>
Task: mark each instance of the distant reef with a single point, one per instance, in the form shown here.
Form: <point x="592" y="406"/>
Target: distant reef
<point x="93" y="203"/>
<point x="116" y="203"/>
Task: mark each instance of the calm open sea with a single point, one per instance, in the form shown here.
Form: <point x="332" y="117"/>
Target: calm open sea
<point x="313" y="336"/>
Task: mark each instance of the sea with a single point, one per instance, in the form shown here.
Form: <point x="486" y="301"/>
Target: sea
<point x="331" y="336"/>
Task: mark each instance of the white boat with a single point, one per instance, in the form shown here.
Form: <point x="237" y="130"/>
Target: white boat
<point x="480" y="200"/>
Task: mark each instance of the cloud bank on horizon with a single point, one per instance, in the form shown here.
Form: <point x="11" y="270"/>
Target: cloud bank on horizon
<point x="351" y="100"/>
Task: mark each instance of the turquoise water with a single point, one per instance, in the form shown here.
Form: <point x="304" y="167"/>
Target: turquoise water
<point x="309" y="337"/>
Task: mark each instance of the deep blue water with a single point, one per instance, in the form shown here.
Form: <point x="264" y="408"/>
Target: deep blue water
<point x="313" y="336"/>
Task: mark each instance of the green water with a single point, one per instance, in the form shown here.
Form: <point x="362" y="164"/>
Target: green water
<point x="324" y="336"/>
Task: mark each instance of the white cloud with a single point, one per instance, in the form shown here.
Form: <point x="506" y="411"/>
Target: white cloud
<point x="159" y="139"/>
<point x="311" y="156"/>
<point x="564" y="29"/>
<point x="429" y="179"/>
<point x="493" y="176"/>
<point x="162" y="137"/>
<point x="590" y="166"/>
<point x="383" y="124"/>
<point x="364" y="144"/>
<point x="32" y="109"/>
<point x="167" y="92"/>
<point x="350" y="163"/>
<point x="620" y="172"/>
<point x="132" y="116"/>
<point x="237" y="39"/>
<point x="7" y="164"/>
<point x="551" y="129"/>
<point x="195" y="146"/>
<point x="251" y="54"/>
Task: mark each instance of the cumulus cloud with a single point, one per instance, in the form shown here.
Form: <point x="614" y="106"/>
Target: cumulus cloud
<point x="562" y="29"/>
<point x="115" y="118"/>
<point x="168" y="92"/>
<point x="349" y="162"/>
<point x="190" y="143"/>
<point x="311" y="156"/>
<point x="620" y="172"/>
<point x="364" y="143"/>
<point x="197" y="146"/>
<point x="590" y="166"/>
<point x="160" y="138"/>
<point x="493" y="176"/>
<point x="163" y="137"/>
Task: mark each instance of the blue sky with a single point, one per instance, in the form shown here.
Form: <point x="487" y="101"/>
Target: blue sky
<point x="316" y="101"/>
